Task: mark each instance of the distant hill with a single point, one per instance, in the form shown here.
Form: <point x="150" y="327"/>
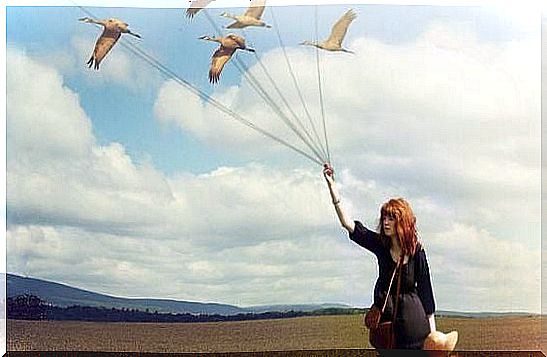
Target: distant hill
<point x="297" y="307"/>
<point x="64" y="295"/>
<point x="482" y="314"/>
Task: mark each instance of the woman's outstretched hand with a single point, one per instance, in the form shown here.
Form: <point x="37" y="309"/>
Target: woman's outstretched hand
<point x="347" y="223"/>
<point x="328" y="172"/>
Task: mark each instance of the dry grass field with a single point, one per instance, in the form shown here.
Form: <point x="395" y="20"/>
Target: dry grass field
<point x="305" y="333"/>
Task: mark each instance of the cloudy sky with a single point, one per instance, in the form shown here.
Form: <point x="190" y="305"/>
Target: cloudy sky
<point x="123" y="182"/>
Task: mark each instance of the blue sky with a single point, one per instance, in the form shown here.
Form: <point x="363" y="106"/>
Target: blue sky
<point x="124" y="176"/>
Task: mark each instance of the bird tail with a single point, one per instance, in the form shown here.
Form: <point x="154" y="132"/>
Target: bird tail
<point x="92" y="63"/>
<point x="214" y="77"/>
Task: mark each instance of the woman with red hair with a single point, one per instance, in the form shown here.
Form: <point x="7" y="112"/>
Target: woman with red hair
<point x="396" y="239"/>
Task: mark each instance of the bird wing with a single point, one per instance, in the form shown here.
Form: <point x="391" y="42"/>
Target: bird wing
<point x="256" y="9"/>
<point x="195" y="6"/>
<point x="104" y="44"/>
<point x="341" y="27"/>
<point x="220" y="57"/>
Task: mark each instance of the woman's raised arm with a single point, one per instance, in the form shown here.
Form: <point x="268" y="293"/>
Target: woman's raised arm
<point x="346" y="222"/>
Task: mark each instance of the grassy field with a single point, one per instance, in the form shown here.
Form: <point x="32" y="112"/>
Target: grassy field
<point x="322" y="332"/>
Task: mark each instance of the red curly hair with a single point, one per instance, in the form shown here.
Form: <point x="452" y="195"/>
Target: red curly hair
<point x="405" y="224"/>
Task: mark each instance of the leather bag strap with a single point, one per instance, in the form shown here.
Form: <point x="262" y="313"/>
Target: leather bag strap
<point x="390" y="284"/>
<point x="400" y="266"/>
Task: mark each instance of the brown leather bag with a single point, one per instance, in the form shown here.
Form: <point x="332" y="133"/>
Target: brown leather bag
<point x="372" y="317"/>
<point x="382" y="335"/>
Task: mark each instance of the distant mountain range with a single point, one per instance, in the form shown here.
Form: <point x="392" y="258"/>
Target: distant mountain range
<point x="63" y="295"/>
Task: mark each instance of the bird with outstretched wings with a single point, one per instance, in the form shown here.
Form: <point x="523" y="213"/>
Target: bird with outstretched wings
<point x="113" y="29"/>
<point x="228" y="45"/>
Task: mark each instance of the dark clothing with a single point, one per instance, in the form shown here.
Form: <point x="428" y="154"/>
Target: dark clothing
<point x="416" y="297"/>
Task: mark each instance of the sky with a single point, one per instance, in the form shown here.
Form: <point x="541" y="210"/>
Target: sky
<point x="123" y="182"/>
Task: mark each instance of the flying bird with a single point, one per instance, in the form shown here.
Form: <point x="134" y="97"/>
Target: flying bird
<point x="338" y="32"/>
<point x="228" y="45"/>
<point x="195" y="6"/>
<point x="113" y="28"/>
<point x="250" y="18"/>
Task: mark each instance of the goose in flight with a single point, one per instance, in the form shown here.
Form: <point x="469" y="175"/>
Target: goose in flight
<point x="113" y="28"/>
<point x="250" y="18"/>
<point x="195" y="6"/>
<point x="338" y="32"/>
<point x="228" y="45"/>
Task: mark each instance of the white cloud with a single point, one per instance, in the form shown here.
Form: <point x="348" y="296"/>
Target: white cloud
<point x="46" y="104"/>
<point x="178" y="106"/>
<point x="56" y="171"/>
<point x="469" y="259"/>
<point x="253" y="202"/>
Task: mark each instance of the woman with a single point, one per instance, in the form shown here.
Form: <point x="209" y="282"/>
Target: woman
<point x="397" y="237"/>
